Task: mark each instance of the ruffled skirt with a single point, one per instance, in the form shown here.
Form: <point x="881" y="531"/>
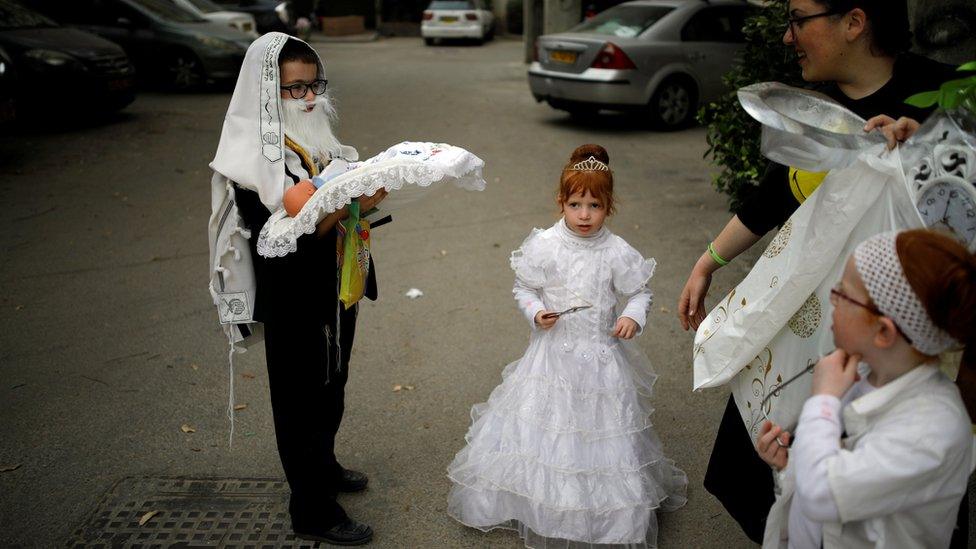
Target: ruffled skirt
<point x="563" y="451"/>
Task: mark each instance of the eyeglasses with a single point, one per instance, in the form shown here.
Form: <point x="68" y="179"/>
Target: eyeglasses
<point x="298" y="91"/>
<point x="795" y="23"/>
<point x="836" y="293"/>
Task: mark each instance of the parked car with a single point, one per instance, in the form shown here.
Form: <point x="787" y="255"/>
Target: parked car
<point x="8" y="101"/>
<point x="37" y="56"/>
<point x="166" y="43"/>
<point x="662" y="57"/>
<point x="470" y="19"/>
<point x="270" y="15"/>
<point x="206" y="9"/>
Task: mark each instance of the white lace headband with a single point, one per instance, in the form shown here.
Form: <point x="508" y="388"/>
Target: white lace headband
<point x="591" y="164"/>
<point x="876" y="260"/>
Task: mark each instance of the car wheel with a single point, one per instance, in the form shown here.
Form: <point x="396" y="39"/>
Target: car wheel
<point x="184" y="71"/>
<point x="672" y="106"/>
<point x="429" y="41"/>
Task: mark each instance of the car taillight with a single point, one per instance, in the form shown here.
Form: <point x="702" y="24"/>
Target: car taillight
<point x="428" y="15"/>
<point x="612" y="57"/>
<point x="471" y="16"/>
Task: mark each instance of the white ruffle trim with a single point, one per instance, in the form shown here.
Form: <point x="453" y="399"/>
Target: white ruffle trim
<point x="280" y="234"/>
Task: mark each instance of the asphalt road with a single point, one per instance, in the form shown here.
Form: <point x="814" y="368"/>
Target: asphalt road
<point x="110" y="342"/>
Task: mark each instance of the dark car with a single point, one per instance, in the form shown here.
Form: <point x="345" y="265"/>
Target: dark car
<point x="38" y="52"/>
<point x="270" y="15"/>
<point x="165" y="42"/>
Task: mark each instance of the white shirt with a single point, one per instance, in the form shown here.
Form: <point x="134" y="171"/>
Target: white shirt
<point x="896" y="480"/>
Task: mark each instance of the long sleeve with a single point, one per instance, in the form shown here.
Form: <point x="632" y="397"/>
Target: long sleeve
<point x="528" y="301"/>
<point x="637" y="305"/>
<point x="818" y="439"/>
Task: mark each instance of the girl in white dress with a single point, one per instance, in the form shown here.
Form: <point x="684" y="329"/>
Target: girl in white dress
<point x="563" y="451"/>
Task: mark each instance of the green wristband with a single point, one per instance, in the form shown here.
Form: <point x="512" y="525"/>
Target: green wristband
<point x="715" y="257"/>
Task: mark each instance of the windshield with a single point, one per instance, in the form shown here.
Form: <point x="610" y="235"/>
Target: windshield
<point x="206" y="6"/>
<point x="164" y="9"/>
<point x="623" y="21"/>
<point x="15" y="16"/>
<point x="451" y="5"/>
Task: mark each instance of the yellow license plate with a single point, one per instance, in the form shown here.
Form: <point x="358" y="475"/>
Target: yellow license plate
<point x="563" y="56"/>
<point x="449" y="19"/>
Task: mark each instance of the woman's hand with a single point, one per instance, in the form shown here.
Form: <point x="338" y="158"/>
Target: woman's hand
<point x="691" y="304"/>
<point x="544" y="322"/>
<point x="895" y="131"/>
<point x="625" y="328"/>
<point x="772" y="445"/>
<point x="835" y="373"/>
<point x="367" y="203"/>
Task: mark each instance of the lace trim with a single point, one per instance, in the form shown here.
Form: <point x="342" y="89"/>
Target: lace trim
<point x="279" y="236"/>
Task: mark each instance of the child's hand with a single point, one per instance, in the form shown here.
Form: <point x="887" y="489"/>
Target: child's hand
<point x="835" y="373"/>
<point x="772" y="445"/>
<point x="625" y="328"/>
<point x="545" y="322"/>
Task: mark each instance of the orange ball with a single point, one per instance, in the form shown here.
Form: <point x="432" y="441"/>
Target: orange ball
<point x="296" y="196"/>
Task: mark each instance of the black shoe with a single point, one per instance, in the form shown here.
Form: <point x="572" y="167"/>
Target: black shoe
<point x="352" y="481"/>
<point x="348" y="532"/>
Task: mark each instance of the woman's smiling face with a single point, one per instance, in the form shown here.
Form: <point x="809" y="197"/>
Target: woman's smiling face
<point x="819" y="41"/>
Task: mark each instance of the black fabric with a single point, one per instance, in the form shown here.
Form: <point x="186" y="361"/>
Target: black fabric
<point x="303" y="283"/>
<point x="308" y="400"/>
<point x="771" y="202"/>
<point x="297" y="300"/>
<point x="738" y="477"/>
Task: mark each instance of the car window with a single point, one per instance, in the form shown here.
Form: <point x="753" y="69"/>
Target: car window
<point x="164" y="9"/>
<point x="623" y="21"/>
<point x="87" y="12"/>
<point x="451" y="5"/>
<point x="719" y="24"/>
<point x="206" y="6"/>
<point x="15" y="16"/>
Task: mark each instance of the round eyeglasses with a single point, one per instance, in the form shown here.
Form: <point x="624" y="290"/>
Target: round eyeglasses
<point x="299" y="90"/>
<point x="836" y="293"/>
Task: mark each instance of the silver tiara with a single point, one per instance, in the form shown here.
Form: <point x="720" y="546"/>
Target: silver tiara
<point x="591" y="164"/>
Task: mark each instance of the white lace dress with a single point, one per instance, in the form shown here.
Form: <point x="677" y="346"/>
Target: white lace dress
<point x="563" y="451"/>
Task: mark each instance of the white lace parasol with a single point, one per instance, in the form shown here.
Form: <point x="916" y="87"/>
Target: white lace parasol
<point x="407" y="170"/>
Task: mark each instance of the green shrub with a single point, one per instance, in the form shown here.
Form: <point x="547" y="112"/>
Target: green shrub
<point x="953" y="94"/>
<point x="733" y="136"/>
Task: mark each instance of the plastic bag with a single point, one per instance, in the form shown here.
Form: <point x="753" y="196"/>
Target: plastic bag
<point x="352" y="248"/>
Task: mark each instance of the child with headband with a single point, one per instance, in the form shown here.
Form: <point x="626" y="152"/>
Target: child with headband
<point x="563" y="451"/>
<point x="882" y="456"/>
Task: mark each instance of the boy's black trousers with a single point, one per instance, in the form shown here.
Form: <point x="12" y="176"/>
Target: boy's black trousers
<point x="307" y="400"/>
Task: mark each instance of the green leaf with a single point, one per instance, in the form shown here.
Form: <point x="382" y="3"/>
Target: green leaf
<point x="971" y="66"/>
<point x="924" y="100"/>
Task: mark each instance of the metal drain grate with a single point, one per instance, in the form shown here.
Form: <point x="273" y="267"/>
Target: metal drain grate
<point x="228" y="513"/>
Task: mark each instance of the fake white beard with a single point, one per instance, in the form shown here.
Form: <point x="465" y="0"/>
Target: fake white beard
<point x="312" y="129"/>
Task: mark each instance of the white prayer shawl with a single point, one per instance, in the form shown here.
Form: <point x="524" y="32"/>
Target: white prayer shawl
<point x="252" y="154"/>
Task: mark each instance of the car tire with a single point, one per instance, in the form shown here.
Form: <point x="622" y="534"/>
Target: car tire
<point x="429" y="41"/>
<point x="184" y="71"/>
<point x="673" y="103"/>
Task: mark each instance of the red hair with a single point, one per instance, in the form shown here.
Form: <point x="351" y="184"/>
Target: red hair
<point x="942" y="273"/>
<point x="599" y="183"/>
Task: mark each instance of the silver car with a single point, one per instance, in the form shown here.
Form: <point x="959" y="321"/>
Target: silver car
<point x="662" y="57"/>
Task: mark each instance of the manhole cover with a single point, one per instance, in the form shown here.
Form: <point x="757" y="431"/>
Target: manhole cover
<point x="186" y="512"/>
